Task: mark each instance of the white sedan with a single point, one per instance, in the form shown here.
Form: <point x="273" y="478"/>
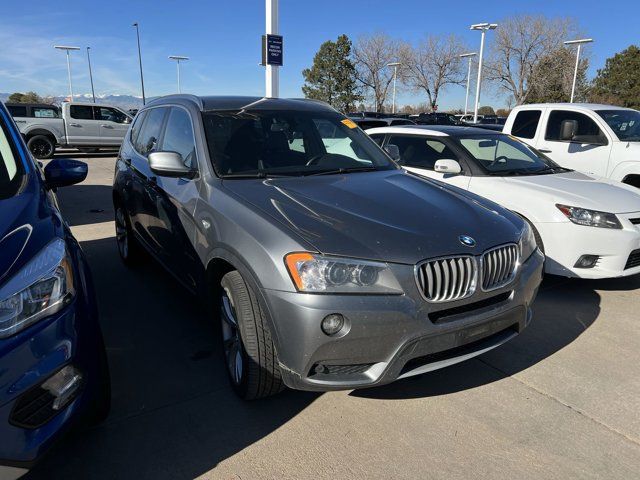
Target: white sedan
<point x="587" y="227"/>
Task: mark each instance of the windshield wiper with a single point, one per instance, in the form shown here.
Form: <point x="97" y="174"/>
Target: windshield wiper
<point x="552" y="170"/>
<point x="252" y="175"/>
<point x="506" y="173"/>
<point x="338" y="171"/>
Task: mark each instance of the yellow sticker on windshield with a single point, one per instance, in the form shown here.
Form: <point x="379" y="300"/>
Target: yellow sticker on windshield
<point x="349" y="123"/>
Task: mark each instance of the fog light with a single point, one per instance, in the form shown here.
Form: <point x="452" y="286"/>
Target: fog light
<point x="63" y="386"/>
<point x="587" y="261"/>
<point x="332" y="324"/>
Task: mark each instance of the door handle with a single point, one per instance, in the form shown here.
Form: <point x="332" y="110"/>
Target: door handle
<point x="106" y="126"/>
<point x="544" y="150"/>
<point x="74" y="125"/>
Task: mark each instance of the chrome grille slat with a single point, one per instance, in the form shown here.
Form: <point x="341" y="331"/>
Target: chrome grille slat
<point x="447" y="279"/>
<point x="499" y="266"/>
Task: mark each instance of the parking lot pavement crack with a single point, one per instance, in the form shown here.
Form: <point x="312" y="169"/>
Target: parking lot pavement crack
<point x="617" y="432"/>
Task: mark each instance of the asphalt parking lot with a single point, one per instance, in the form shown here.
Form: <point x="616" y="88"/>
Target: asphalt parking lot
<point x="560" y="401"/>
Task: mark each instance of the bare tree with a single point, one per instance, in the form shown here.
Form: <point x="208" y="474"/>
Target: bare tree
<point x="432" y="65"/>
<point x="520" y="43"/>
<point x="371" y="55"/>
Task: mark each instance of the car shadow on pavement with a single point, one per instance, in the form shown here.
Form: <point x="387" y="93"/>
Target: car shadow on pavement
<point x="86" y="204"/>
<point x="85" y="155"/>
<point x="564" y="309"/>
<point x="174" y="414"/>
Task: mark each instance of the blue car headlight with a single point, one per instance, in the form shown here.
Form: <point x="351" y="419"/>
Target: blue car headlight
<point x="40" y="289"/>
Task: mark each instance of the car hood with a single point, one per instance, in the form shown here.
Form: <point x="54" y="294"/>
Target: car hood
<point x="392" y="215"/>
<point x="580" y="190"/>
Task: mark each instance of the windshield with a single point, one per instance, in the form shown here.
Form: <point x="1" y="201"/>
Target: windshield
<point x="624" y="123"/>
<point x="503" y="155"/>
<point x="273" y="143"/>
<point x="10" y="169"/>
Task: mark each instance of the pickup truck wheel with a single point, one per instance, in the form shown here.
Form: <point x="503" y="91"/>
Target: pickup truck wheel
<point x="41" y="147"/>
<point x="249" y="353"/>
<point x="128" y="247"/>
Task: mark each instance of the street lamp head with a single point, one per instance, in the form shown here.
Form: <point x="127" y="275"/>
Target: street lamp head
<point x="484" y="26"/>
<point x="580" y="41"/>
<point x="470" y="54"/>
<point x="394" y="64"/>
<point x="178" y="57"/>
<point x="65" y="47"/>
<point x="135" y="24"/>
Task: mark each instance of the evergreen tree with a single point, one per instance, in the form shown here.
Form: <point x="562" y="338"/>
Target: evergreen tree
<point x="618" y="81"/>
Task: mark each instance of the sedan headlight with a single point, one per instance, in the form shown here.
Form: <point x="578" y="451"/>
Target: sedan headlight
<point x="590" y="218"/>
<point x="314" y="273"/>
<point x="41" y="288"/>
<point x="527" y="243"/>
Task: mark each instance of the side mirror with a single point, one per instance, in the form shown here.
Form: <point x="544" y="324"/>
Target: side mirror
<point x="448" y="167"/>
<point x="169" y="164"/>
<point x="393" y="151"/>
<point x="568" y="130"/>
<point x="62" y="172"/>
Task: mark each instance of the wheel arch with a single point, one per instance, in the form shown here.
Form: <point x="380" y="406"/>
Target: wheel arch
<point x="40" y="131"/>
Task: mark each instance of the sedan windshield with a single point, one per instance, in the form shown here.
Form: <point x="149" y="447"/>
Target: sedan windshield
<point x="624" y="123"/>
<point x="501" y="154"/>
<point x="288" y="143"/>
<point x="10" y="170"/>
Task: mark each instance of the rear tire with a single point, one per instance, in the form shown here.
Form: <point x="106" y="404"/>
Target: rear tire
<point x="249" y="353"/>
<point x="129" y="249"/>
<point x="41" y="147"/>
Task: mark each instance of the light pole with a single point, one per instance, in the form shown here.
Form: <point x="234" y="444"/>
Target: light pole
<point x="575" y="72"/>
<point x="272" y="72"/>
<point x="93" y="92"/>
<point x="67" y="49"/>
<point x="137" y="27"/>
<point x="395" y="66"/>
<point x="466" y="97"/>
<point x="483" y="27"/>
<point x="178" y="59"/>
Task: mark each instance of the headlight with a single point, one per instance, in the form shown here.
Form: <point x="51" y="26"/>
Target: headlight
<point x="527" y="243"/>
<point x="590" y="218"/>
<point x="40" y="289"/>
<point x="314" y="273"/>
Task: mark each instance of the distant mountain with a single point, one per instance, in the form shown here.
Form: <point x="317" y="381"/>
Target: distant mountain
<point x="124" y="102"/>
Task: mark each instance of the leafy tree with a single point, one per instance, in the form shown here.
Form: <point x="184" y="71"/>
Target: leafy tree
<point x="503" y="112"/>
<point x="618" y="83"/>
<point x="29" y="97"/>
<point x="486" y="110"/>
<point x="332" y="78"/>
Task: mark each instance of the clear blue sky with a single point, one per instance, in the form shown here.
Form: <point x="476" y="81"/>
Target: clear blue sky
<point x="222" y="37"/>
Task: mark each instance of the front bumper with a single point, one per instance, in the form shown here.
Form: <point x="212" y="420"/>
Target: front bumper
<point x="566" y="242"/>
<point x="391" y="337"/>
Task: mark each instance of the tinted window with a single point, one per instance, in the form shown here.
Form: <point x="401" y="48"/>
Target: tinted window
<point x="526" y="123"/>
<point x="421" y="152"/>
<point x="81" y="112"/>
<point x="135" y="128"/>
<point x="178" y="136"/>
<point x="107" y="114"/>
<point x="45" y="112"/>
<point x="149" y="135"/>
<point x="17" y="111"/>
<point x="588" y="130"/>
<point x="379" y="138"/>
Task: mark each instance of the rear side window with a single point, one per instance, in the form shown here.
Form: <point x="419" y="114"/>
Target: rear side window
<point x="421" y="152"/>
<point x="81" y="112"/>
<point x="17" y="111"/>
<point x="45" y="112"/>
<point x="149" y="135"/>
<point x="137" y="124"/>
<point x="178" y="136"/>
<point x="526" y="123"/>
<point x="588" y="130"/>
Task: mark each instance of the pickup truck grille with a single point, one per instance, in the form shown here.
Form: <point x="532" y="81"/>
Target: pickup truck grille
<point x="499" y="266"/>
<point x="447" y="279"/>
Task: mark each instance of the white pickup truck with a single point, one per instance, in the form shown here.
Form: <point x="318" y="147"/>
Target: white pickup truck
<point x="86" y="126"/>
<point x="600" y="140"/>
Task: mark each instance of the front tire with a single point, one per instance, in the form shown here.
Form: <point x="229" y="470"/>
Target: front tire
<point x="249" y="353"/>
<point x="41" y="147"/>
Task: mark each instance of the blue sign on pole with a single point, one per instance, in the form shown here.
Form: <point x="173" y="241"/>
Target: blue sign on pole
<point x="272" y="51"/>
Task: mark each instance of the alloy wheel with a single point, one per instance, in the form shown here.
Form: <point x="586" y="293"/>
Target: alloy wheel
<point x="40" y="149"/>
<point x="231" y="340"/>
<point x="122" y="234"/>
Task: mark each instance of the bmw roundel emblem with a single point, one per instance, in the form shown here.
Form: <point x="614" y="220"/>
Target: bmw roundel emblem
<point x="467" y="241"/>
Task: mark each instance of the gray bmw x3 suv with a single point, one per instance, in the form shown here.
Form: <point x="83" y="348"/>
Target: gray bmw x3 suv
<point x="327" y="265"/>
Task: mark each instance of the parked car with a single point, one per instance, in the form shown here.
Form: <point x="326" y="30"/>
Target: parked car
<point x="53" y="368"/>
<point x="587" y="227"/>
<point x="366" y="122"/>
<point x="437" y="118"/>
<point x="331" y="267"/>
<point x="86" y="126"/>
<point x="600" y="140"/>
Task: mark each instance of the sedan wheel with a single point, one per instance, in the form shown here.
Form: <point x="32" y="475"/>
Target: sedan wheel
<point x="232" y="342"/>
